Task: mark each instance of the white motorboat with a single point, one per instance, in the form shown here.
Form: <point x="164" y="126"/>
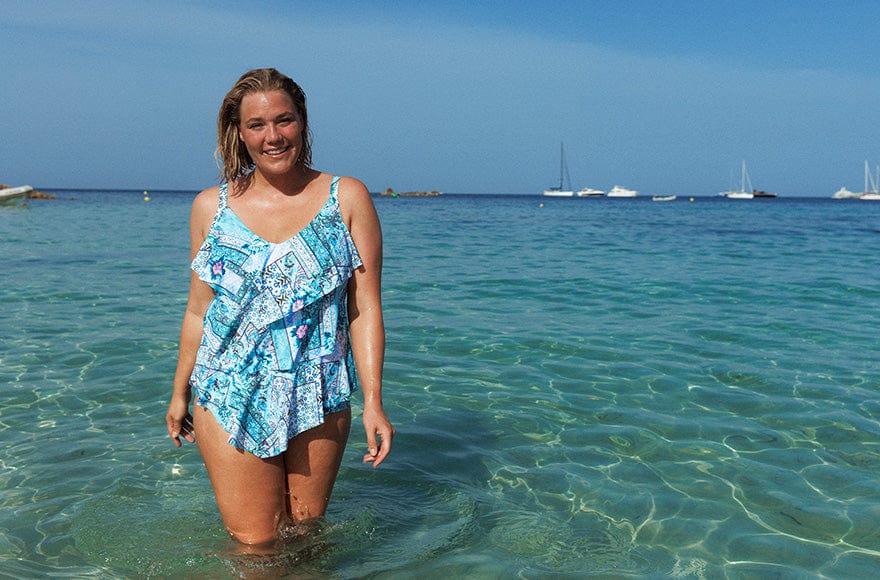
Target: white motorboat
<point x="664" y="197"/>
<point x="590" y="192"/>
<point x="15" y="195"/>
<point x="844" y="193"/>
<point x="618" y="191"/>
<point x="559" y="191"/>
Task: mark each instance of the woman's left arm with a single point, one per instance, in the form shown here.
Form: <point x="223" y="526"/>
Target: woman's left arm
<point x="365" y="314"/>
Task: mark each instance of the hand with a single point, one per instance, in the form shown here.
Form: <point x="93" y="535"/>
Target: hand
<point x="179" y="420"/>
<point x="380" y="432"/>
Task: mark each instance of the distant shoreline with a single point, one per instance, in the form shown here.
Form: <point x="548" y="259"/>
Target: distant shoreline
<point x="682" y="197"/>
<point x="391" y="193"/>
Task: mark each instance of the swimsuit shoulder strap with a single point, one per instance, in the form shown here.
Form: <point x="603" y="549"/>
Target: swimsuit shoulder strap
<point x="222" y="204"/>
<point x="334" y="186"/>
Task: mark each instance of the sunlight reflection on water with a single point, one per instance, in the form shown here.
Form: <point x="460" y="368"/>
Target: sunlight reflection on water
<point x="588" y="389"/>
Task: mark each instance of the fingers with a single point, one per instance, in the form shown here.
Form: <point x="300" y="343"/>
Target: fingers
<point x="379" y="447"/>
<point x="188" y="430"/>
<point x="178" y="429"/>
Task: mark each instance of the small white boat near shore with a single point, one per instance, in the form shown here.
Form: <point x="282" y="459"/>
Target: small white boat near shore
<point x="15" y="195"/>
<point x="664" y="197"/>
<point x="590" y="192"/>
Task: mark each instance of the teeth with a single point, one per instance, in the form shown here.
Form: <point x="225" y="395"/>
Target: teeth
<point x="276" y="151"/>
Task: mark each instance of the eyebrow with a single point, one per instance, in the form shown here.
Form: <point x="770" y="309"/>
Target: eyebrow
<point x="278" y="116"/>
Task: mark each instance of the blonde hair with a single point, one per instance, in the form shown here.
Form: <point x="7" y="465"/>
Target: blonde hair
<point x="232" y="156"/>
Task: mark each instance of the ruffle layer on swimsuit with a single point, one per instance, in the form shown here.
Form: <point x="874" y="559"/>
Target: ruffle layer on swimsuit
<point x="275" y="353"/>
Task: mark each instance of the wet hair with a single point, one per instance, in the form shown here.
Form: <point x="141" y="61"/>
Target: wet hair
<point x="232" y="156"/>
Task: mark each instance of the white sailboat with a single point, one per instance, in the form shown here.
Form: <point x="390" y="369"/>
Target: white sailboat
<point x="742" y="193"/>
<point x="563" y="172"/>
<point x="871" y="194"/>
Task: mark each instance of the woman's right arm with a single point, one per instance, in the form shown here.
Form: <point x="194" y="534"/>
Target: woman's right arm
<point x="178" y="419"/>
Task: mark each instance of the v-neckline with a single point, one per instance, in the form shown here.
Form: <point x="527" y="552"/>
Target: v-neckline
<point x="294" y="236"/>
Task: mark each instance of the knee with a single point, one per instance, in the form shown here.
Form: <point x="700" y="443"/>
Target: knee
<point x="253" y="538"/>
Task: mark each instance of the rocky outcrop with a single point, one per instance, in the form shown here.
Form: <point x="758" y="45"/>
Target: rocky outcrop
<point x="391" y="193"/>
<point x="34" y="194"/>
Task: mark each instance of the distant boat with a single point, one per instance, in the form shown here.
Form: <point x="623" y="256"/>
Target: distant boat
<point x="15" y="195"/>
<point x="563" y="171"/>
<point x="590" y="192"/>
<point x="870" y="194"/>
<point x="759" y="193"/>
<point x="844" y="193"/>
<point x="618" y="191"/>
<point x="664" y="197"/>
<point x="742" y="193"/>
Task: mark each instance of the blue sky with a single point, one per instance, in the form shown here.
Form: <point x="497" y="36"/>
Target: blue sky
<point x="459" y="96"/>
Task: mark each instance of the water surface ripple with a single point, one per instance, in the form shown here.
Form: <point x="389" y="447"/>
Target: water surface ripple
<point x="581" y="388"/>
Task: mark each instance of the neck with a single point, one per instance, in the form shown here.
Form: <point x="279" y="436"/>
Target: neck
<point x="289" y="183"/>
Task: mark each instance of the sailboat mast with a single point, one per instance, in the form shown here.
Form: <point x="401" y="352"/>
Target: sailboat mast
<point x="562" y="163"/>
<point x="744" y="178"/>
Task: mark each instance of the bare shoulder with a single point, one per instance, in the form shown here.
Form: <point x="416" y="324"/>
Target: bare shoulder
<point x="207" y="199"/>
<point x="204" y="207"/>
<point x="354" y="198"/>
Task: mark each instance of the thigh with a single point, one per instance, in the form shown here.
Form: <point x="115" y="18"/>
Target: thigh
<point x="250" y="491"/>
<point x="312" y="461"/>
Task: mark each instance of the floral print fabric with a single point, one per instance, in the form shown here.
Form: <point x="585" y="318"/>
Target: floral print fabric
<point x="275" y="355"/>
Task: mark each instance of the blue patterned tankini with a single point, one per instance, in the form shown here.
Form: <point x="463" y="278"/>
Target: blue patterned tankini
<point x="275" y="354"/>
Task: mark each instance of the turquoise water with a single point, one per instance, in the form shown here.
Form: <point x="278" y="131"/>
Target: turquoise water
<point x="581" y="388"/>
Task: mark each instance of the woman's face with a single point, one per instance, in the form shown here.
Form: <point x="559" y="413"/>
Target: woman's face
<point x="271" y="130"/>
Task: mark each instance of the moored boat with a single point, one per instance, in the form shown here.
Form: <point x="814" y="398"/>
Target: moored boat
<point x="556" y="192"/>
<point x="872" y="194"/>
<point x="844" y="193"/>
<point x="759" y="193"/>
<point x="618" y="191"/>
<point x="559" y="191"/>
<point x="664" y="197"/>
<point x="742" y="193"/>
<point x="15" y="195"/>
<point x="590" y="192"/>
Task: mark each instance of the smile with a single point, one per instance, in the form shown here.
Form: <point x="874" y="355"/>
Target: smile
<point x="278" y="151"/>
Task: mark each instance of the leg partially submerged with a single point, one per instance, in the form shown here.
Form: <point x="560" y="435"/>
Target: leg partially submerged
<point x="250" y="491"/>
<point x="312" y="462"/>
<point x="257" y="497"/>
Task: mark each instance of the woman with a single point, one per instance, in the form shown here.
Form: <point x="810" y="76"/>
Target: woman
<point x="284" y="304"/>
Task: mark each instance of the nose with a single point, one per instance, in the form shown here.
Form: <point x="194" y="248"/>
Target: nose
<point x="272" y="134"/>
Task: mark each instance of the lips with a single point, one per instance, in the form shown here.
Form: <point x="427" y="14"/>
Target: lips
<point x="278" y="151"/>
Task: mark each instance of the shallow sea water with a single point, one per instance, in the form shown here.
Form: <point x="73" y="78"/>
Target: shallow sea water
<point x="606" y="388"/>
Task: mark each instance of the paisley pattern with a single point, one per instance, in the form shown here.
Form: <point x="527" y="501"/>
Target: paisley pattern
<point x="275" y="355"/>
